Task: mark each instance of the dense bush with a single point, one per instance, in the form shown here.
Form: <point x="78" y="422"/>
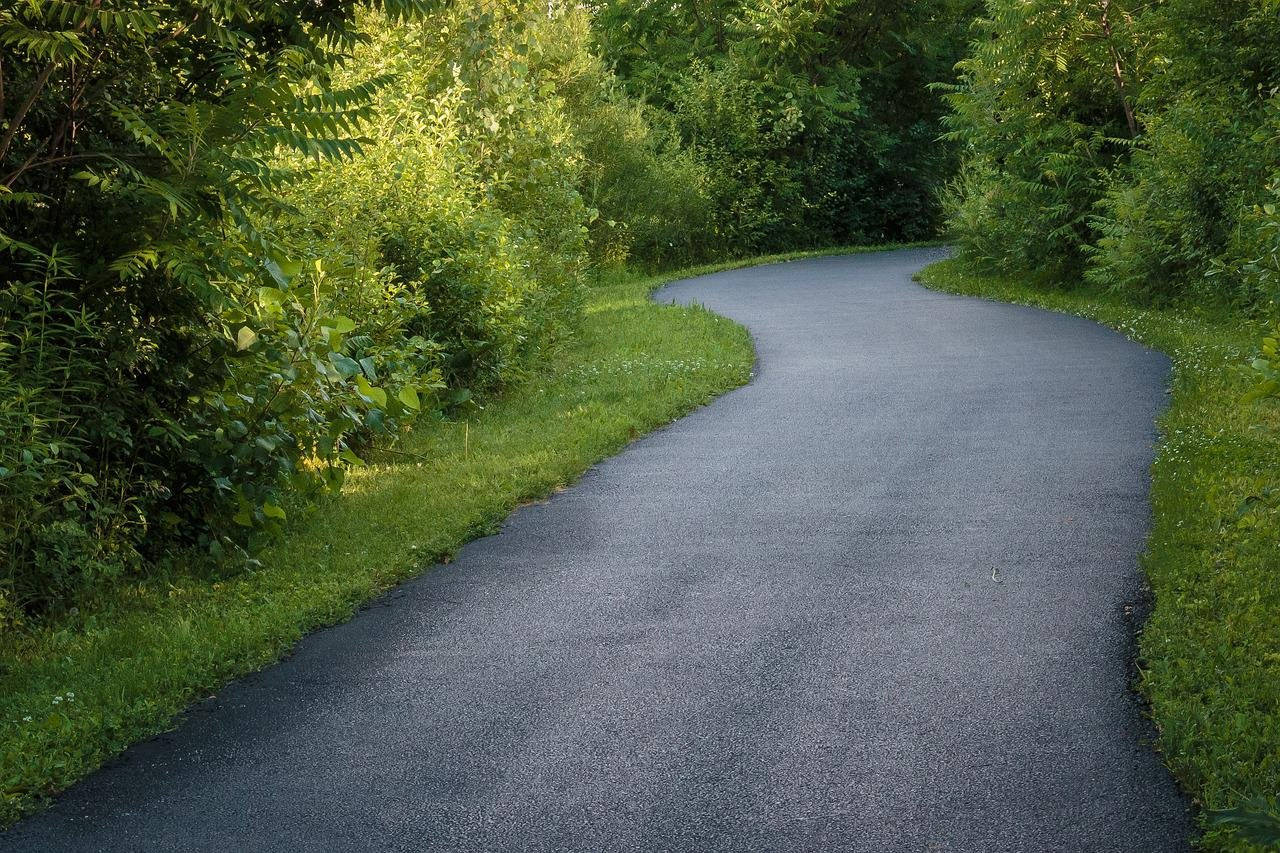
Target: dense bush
<point x="1182" y="203"/>
<point x="1183" y="214"/>
<point x="1132" y="143"/>
<point x="173" y="366"/>
<point x="1043" y="114"/>
<point x="649" y="196"/>
<point x="218" y="291"/>
<point x="465" y="209"/>
<point x="814" y="121"/>
<point x="1260" y="273"/>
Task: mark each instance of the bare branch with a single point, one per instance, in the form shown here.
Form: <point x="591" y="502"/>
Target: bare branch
<point x="21" y="114"/>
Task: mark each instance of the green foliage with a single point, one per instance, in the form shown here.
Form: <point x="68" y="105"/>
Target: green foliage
<point x="468" y="204"/>
<point x="650" y="196"/>
<point x="1180" y="219"/>
<point x="1129" y="142"/>
<point x="53" y="507"/>
<point x="1043" y="115"/>
<point x="813" y="120"/>
<point x="221" y="292"/>
<point x="176" y="373"/>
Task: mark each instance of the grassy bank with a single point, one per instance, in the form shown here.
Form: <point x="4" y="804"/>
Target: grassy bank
<point x="1211" y="649"/>
<point x="78" y="690"/>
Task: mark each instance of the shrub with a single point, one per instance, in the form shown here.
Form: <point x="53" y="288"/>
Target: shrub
<point x="468" y="202"/>
<point x="1043" y="113"/>
<point x="650" y="195"/>
<point x="812" y="121"/>
<point x="1186" y="206"/>
<point x="59" y="527"/>
<point x="177" y="369"/>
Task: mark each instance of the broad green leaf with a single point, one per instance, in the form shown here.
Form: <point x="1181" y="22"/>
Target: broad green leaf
<point x="409" y="396"/>
<point x="344" y="365"/>
<point x="371" y="392"/>
<point x="341" y="324"/>
<point x="283" y="271"/>
<point x="270" y="297"/>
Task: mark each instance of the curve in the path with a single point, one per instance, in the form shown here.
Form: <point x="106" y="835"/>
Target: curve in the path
<point x="875" y="600"/>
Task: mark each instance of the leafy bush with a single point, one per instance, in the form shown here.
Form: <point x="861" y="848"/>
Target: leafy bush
<point x="1184" y="213"/>
<point x="1128" y="142"/>
<point x="650" y="195"/>
<point x="813" y="121"/>
<point x="58" y="527"/>
<point x="176" y="371"/>
<point x="729" y="120"/>
<point x="1261" y="269"/>
<point x="279" y="235"/>
<point x="1043" y="113"/>
<point x="237" y="291"/>
<point x="469" y="201"/>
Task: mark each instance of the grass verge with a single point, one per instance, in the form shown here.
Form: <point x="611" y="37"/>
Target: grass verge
<point x="1210" y="651"/>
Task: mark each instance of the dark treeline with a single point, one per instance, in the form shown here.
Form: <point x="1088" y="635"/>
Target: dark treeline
<point x="814" y="119"/>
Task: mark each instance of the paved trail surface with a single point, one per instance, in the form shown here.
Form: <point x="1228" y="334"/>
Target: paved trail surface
<point x="772" y="626"/>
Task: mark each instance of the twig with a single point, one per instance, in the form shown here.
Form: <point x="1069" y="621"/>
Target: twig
<point x="21" y="114"/>
<point x="1117" y="71"/>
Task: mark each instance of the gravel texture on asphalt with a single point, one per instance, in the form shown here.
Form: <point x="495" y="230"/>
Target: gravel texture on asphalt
<point x="877" y="600"/>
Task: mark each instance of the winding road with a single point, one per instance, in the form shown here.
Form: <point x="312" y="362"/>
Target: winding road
<point x="880" y="599"/>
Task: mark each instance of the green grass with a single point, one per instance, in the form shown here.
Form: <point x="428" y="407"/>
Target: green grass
<point x="1210" y="652"/>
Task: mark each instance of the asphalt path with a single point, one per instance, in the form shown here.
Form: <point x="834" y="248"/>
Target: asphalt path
<point x="880" y="599"/>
